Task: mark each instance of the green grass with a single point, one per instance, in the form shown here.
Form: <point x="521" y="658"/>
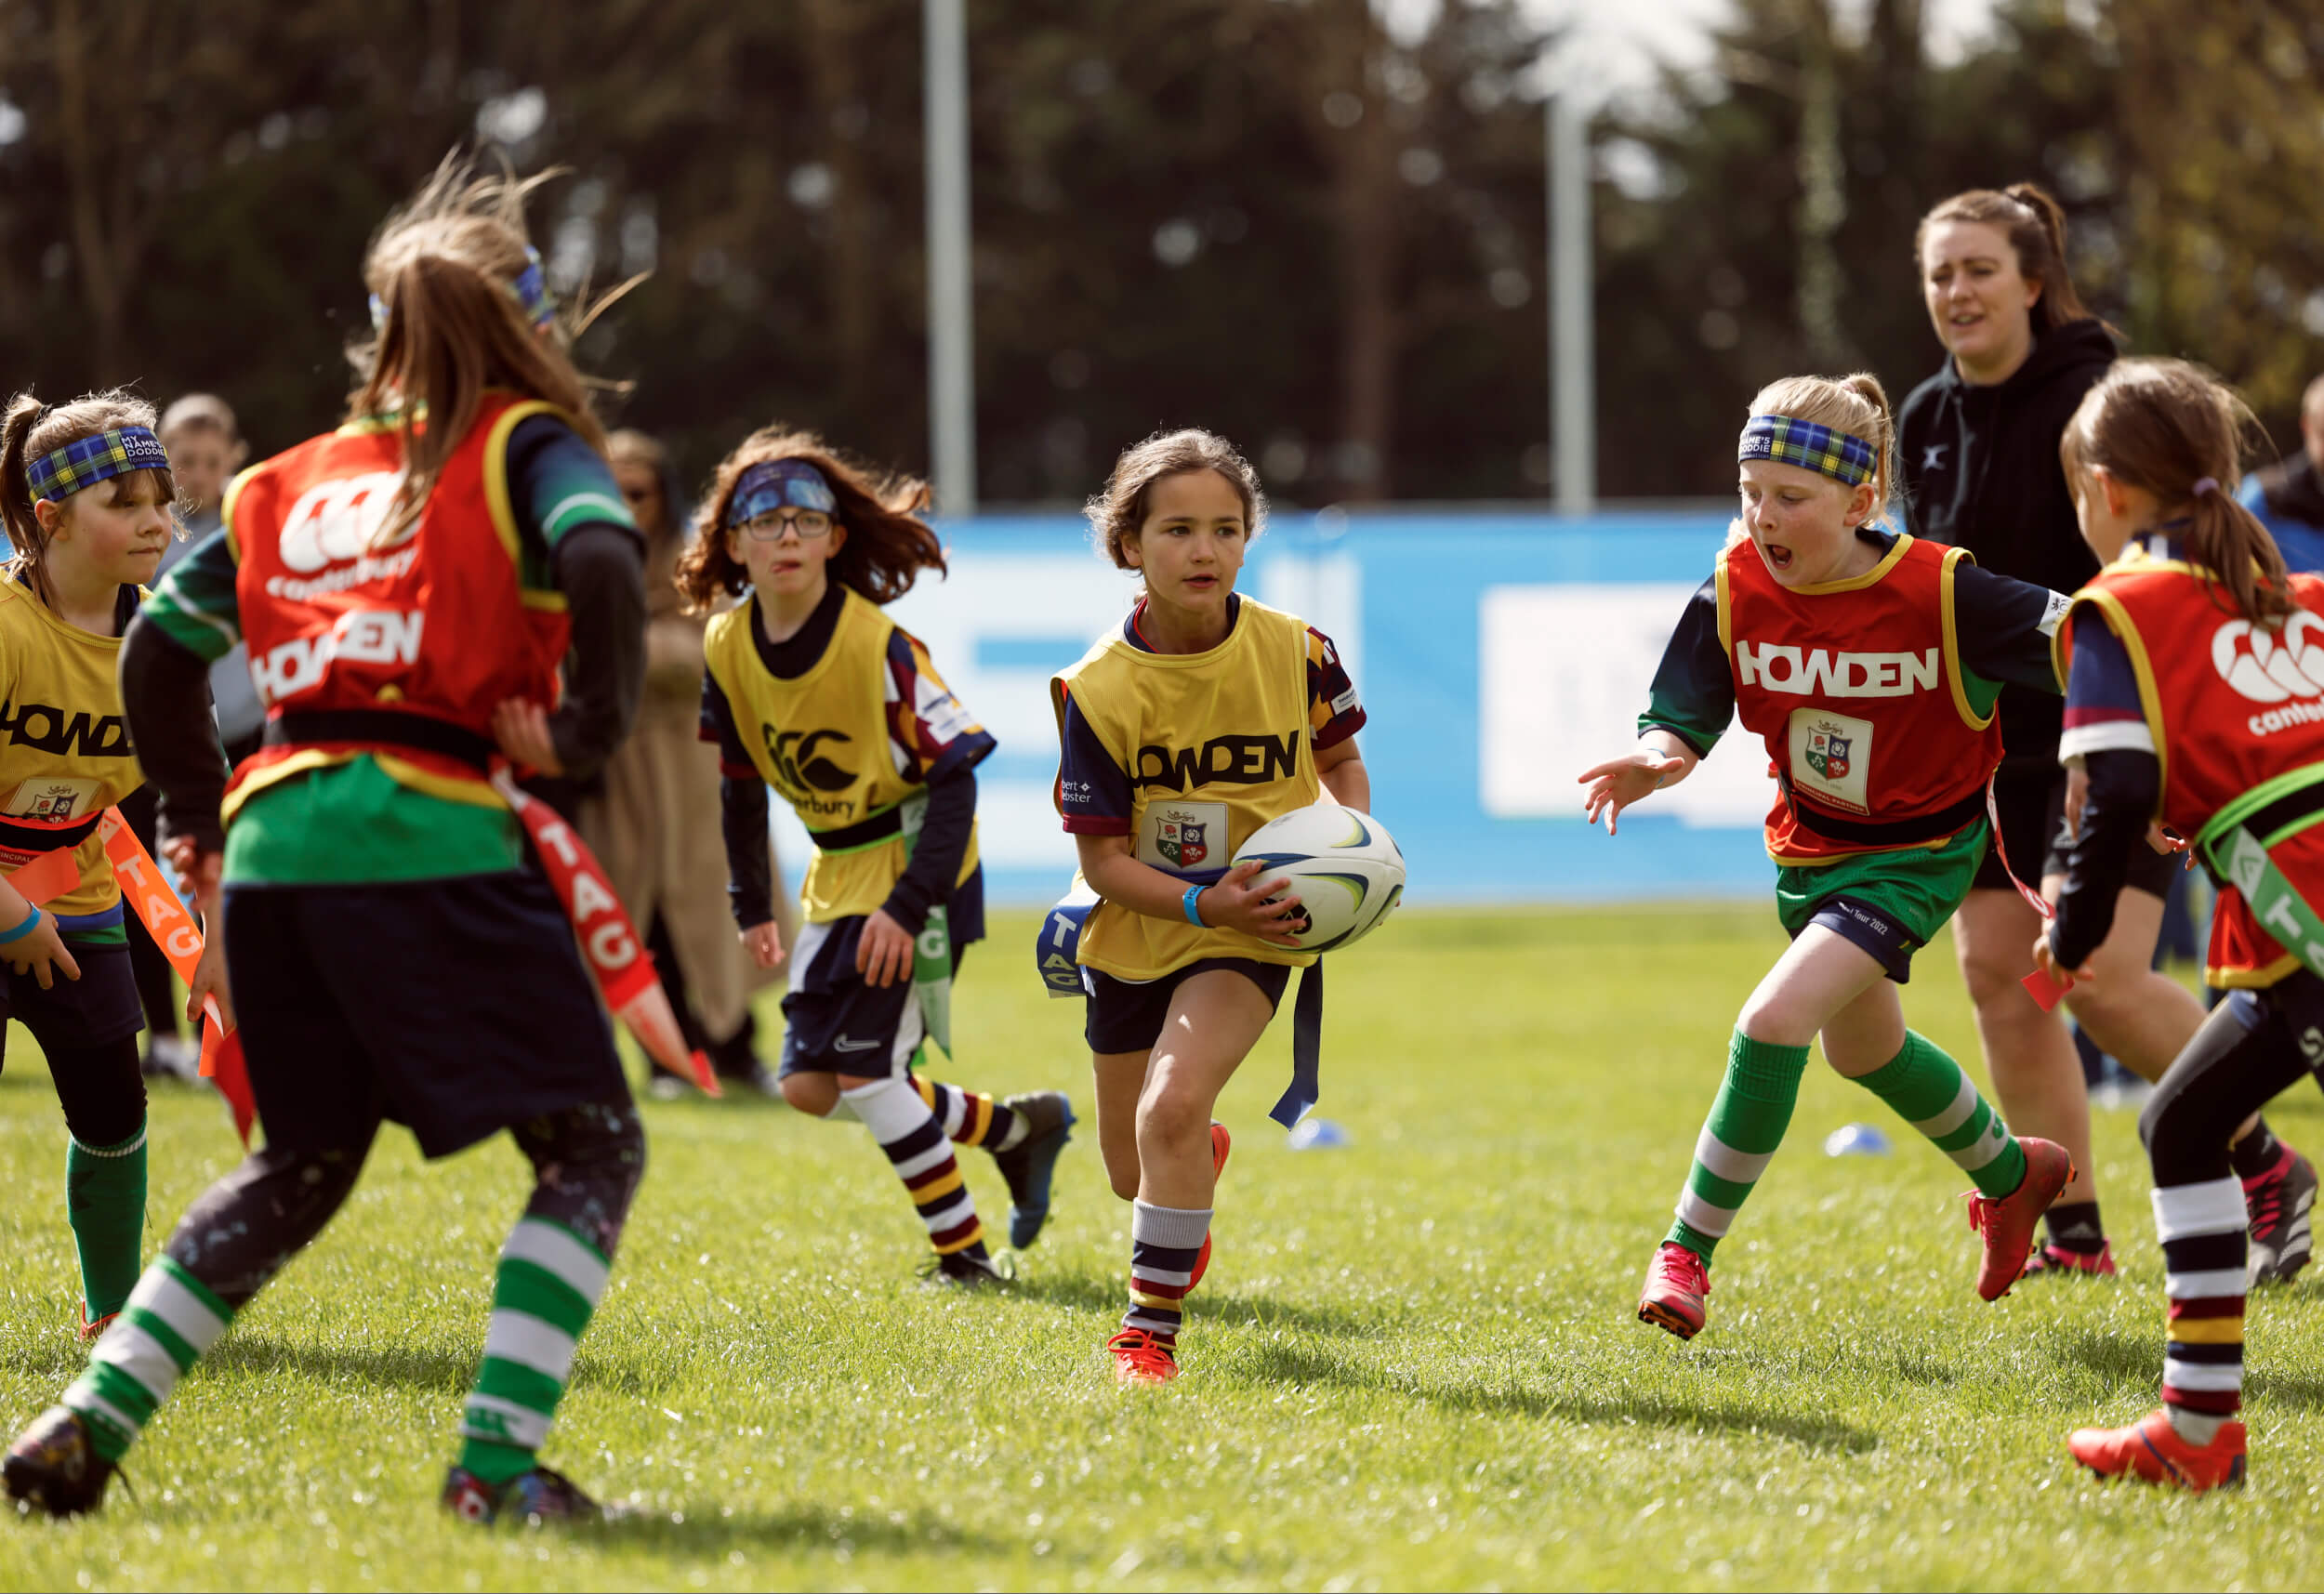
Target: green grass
<point x="1414" y="1364"/>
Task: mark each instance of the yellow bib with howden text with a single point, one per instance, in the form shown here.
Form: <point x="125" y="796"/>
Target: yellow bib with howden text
<point x="821" y="741"/>
<point x="65" y="747"/>
<point x="1215" y="745"/>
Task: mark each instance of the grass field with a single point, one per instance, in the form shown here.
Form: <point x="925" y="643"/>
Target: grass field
<point x="1414" y="1364"/>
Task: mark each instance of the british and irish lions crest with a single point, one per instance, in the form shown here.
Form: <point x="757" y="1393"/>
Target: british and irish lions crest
<point x="1828" y="755"/>
<point x="1184" y="842"/>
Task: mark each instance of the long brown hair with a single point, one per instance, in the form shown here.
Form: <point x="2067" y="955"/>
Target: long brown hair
<point x="2169" y="428"/>
<point x="441" y="266"/>
<point x="888" y="543"/>
<point x="2035" y="226"/>
<point x="31" y="430"/>
<point x="1117" y="509"/>
<point x="1856" y="404"/>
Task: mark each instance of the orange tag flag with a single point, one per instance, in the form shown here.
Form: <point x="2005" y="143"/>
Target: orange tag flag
<point x="47" y="877"/>
<point x="609" y="941"/>
<point x="171" y="925"/>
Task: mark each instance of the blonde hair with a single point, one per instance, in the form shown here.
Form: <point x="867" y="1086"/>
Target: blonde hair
<point x="1856" y="404"/>
<point x="2167" y="427"/>
<point x="442" y="266"/>
<point x="31" y="430"/>
<point x="1118" y="508"/>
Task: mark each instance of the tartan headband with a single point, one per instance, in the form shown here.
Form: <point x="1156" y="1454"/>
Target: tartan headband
<point x="56" y="476"/>
<point x="776" y="484"/>
<point x="528" y="287"/>
<point x="1789" y="440"/>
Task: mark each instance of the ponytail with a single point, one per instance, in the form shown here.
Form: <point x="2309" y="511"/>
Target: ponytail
<point x="2035" y="224"/>
<point x="1866" y="386"/>
<point x="16" y="491"/>
<point x="2228" y="540"/>
<point x="2173" y="430"/>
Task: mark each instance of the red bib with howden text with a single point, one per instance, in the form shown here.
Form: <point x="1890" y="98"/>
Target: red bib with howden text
<point x="435" y="621"/>
<point x="2230" y="707"/>
<point x="1856" y="688"/>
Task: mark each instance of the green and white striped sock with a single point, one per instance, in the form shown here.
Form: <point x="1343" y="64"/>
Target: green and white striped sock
<point x="550" y="1283"/>
<point x="1929" y="1091"/>
<point x="171" y="1322"/>
<point x="1747" y="1123"/>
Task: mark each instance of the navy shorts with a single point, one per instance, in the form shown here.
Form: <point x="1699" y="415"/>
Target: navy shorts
<point x="100" y="1008"/>
<point x="1128" y="1015"/>
<point x="1852" y="920"/>
<point x="456" y="1007"/>
<point x="835" y="1023"/>
<point x="2032" y="806"/>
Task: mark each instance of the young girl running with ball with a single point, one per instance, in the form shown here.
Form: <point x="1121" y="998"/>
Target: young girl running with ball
<point x="1870" y="662"/>
<point x="1185" y="961"/>
<point x="808" y="689"/>
<point x="2193" y="665"/>
<point x="85" y="490"/>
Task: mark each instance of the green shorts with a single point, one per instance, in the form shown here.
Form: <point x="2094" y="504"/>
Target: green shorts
<point x="1890" y="904"/>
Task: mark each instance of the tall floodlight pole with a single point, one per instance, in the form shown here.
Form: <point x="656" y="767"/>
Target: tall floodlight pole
<point x="951" y="327"/>
<point x="1572" y="357"/>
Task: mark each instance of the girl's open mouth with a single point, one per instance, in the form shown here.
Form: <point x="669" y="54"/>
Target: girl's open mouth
<point x="1777" y="555"/>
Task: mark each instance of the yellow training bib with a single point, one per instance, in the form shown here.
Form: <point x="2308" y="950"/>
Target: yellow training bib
<point x="821" y="741"/>
<point x="65" y="747"/>
<point x="1215" y="745"/>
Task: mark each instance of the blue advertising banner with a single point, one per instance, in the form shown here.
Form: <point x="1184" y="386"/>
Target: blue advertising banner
<point x="1497" y="655"/>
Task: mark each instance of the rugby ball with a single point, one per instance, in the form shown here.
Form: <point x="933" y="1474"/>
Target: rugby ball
<point x="1343" y="865"/>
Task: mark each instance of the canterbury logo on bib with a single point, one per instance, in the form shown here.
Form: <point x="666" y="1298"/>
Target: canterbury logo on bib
<point x="2272" y="667"/>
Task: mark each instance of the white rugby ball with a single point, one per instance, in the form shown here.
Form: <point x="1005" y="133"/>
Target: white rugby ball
<point x="1343" y="865"/>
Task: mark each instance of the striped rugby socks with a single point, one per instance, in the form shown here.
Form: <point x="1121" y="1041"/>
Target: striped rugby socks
<point x="104" y="1200"/>
<point x="915" y="1140"/>
<point x="2202" y="1230"/>
<point x="1929" y="1091"/>
<point x="1747" y="1123"/>
<point x="547" y="1287"/>
<point x="171" y="1321"/>
<point x="971" y="1117"/>
<point x="1164" y="1243"/>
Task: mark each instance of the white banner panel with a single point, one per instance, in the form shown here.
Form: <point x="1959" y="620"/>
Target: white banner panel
<point x="1563" y="676"/>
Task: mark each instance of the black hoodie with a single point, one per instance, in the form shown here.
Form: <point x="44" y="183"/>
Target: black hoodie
<point x="1980" y="468"/>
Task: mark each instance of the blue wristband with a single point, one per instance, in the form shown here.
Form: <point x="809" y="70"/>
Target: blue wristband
<point x="32" y="922"/>
<point x="1193" y="913"/>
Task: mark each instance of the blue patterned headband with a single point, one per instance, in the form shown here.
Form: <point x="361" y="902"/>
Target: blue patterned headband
<point x="528" y="287"/>
<point x="776" y="484"/>
<point x="1789" y="440"/>
<point x="57" y="476"/>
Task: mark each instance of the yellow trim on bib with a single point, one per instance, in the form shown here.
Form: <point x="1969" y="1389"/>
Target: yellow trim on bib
<point x="1871" y="577"/>
<point x="1952" y="644"/>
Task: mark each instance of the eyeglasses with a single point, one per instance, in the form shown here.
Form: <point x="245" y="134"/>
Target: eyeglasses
<point x="809" y="524"/>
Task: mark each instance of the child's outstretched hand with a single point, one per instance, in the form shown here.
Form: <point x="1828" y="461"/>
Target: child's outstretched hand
<point x="1619" y="783"/>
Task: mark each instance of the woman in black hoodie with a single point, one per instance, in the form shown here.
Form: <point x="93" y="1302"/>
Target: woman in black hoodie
<point x="1979" y="450"/>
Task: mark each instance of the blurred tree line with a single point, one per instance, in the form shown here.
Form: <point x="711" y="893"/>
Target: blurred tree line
<point x="1276" y="218"/>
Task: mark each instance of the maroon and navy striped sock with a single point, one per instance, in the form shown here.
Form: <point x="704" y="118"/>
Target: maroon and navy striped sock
<point x="1164" y="1243"/>
<point x="2203" y="1232"/>
<point x="922" y="1157"/>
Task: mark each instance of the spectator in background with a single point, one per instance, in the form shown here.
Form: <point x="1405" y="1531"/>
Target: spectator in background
<point x="653" y="820"/>
<point x="205" y="448"/>
<point x="2289" y="495"/>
